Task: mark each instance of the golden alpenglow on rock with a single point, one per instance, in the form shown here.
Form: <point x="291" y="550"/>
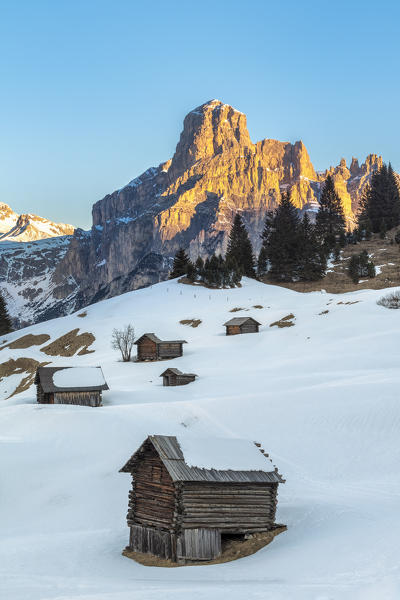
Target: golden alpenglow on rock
<point x="191" y="199"/>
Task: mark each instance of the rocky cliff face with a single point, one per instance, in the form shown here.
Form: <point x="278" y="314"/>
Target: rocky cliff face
<point x="190" y="200"/>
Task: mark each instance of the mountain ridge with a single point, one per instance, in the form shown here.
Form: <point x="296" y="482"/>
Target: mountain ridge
<point x="28" y="227"/>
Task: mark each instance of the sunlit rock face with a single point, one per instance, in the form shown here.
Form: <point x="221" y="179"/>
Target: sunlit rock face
<point x="190" y="201"/>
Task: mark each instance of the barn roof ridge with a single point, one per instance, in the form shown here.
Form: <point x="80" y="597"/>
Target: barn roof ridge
<point x="176" y="372"/>
<point x="240" y="321"/>
<point x="156" y="339"/>
<point x="171" y="454"/>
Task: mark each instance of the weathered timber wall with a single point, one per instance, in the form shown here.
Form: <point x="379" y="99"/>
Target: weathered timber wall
<point x="168" y="350"/>
<point x="199" y="544"/>
<point x="78" y="398"/>
<point x="249" y="328"/>
<point x="152" y="498"/>
<point x="153" y="541"/>
<point x="232" y="330"/>
<point x="147" y="350"/>
<point x="231" y="508"/>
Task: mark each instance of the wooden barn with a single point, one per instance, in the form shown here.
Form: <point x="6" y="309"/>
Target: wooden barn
<point x="150" y="347"/>
<point x="70" y="385"/>
<point x="241" y="325"/>
<point x="176" y="377"/>
<point x="188" y="495"/>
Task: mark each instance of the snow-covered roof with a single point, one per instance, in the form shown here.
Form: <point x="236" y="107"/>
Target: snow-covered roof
<point x="58" y="379"/>
<point x="229" y="460"/>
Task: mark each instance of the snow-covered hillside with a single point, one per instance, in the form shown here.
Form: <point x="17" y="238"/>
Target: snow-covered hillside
<point x="321" y="396"/>
<point x="27" y="278"/>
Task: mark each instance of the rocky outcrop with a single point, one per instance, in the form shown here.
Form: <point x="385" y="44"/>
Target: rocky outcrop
<point x="27" y="227"/>
<point x="190" y="200"/>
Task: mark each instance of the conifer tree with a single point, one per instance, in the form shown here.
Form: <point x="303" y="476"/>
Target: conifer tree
<point x="240" y="248"/>
<point x="5" y="321"/>
<point x="330" y="221"/>
<point x="311" y="258"/>
<point x="262" y="263"/>
<point x="380" y="201"/>
<point x="180" y="265"/>
<point x="281" y="240"/>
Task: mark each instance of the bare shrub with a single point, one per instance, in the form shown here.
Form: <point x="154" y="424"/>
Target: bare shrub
<point x="390" y="300"/>
<point x="123" y="340"/>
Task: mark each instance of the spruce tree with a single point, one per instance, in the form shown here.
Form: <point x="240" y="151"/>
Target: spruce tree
<point x="240" y="248"/>
<point x="330" y="221"/>
<point x="311" y="258"/>
<point x="5" y="321"/>
<point x="180" y="265"/>
<point x="380" y="201"/>
<point x="262" y="263"/>
<point x="281" y="240"/>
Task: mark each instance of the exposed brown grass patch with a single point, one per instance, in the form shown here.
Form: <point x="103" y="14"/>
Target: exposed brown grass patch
<point x="191" y="322"/>
<point x="82" y="314"/>
<point x="324" y="312"/>
<point x="284" y="322"/>
<point x="26" y="341"/>
<point x="231" y="550"/>
<point x="70" y="344"/>
<point x="257" y="306"/>
<point x="18" y="367"/>
<point x="237" y="308"/>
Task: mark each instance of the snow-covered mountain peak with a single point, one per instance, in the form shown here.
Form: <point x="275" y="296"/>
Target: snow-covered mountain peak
<point x="28" y="227"/>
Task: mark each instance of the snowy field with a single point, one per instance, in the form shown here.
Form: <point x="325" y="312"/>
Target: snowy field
<point x="322" y="397"/>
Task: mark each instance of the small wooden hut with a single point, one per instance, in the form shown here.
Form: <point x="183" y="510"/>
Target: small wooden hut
<point x="150" y="347"/>
<point x="188" y="494"/>
<point x="70" y="385"/>
<point x="241" y="325"/>
<point x="176" y="377"/>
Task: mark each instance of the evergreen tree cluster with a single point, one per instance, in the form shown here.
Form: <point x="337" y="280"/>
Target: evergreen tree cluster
<point x="380" y="203"/>
<point x="217" y="271"/>
<point x="360" y="265"/>
<point x="5" y="321"/>
<point x="291" y="250"/>
<point x="214" y="271"/>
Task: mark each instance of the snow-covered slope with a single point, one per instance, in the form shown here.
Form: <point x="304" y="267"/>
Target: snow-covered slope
<point x="321" y="396"/>
<point x="27" y="280"/>
<point x="28" y="227"/>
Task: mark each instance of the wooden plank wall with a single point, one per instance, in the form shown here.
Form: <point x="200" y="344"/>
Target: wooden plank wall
<point x="153" y="541"/>
<point x="199" y="544"/>
<point x="232" y="508"/>
<point x="147" y="350"/>
<point x="80" y="398"/>
<point x="168" y="350"/>
<point x="249" y="327"/>
<point x="152" y="498"/>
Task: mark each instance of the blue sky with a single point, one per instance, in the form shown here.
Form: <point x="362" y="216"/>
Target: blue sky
<point x="95" y="92"/>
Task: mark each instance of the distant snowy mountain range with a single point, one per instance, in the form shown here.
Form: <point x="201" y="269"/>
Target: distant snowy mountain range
<point x="27" y="227"/>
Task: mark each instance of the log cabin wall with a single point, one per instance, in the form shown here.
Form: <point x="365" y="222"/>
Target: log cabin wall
<point x="230" y="508"/>
<point x="249" y="327"/>
<point x="152" y="499"/>
<point x="232" y="330"/>
<point x="40" y="395"/>
<point x="184" y="379"/>
<point x="92" y="398"/>
<point x="147" y="350"/>
<point x="169" y="350"/>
